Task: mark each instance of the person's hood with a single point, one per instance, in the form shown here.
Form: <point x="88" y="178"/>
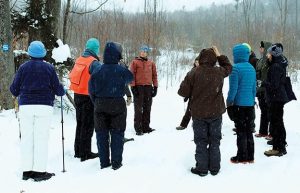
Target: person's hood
<point x="282" y="60"/>
<point x="241" y="53"/>
<point x="207" y="57"/>
<point x="112" y="53"/>
<point x="267" y="45"/>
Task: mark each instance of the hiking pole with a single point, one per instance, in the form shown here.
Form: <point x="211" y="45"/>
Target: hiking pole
<point x="62" y="132"/>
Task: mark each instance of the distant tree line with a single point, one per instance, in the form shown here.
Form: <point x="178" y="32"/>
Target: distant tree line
<point x="74" y="21"/>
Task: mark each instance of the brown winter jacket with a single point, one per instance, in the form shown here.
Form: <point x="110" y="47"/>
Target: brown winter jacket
<point x="204" y="85"/>
<point x="144" y="72"/>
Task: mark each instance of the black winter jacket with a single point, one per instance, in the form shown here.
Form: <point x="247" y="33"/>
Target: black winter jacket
<point x="275" y="82"/>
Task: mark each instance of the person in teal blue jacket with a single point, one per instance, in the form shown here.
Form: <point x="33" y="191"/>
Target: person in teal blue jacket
<point x="241" y="96"/>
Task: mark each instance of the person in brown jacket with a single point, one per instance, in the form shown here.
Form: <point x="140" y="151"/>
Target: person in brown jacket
<point x="187" y="116"/>
<point x="204" y="86"/>
<point x="144" y="88"/>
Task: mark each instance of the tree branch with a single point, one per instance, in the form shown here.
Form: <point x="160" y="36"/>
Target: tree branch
<point x="13" y="5"/>
<point x="85" y="12"/>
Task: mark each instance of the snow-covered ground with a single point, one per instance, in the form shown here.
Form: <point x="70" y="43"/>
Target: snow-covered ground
<point x="159" y="162"/>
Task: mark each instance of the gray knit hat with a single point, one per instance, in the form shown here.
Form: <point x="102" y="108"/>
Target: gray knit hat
<point x="275" y="50"/>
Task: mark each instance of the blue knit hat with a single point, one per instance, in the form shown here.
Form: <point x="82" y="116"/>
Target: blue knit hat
<point x="144" y="48"/>
<point x="93" y="45"/>
<point x="37" y="49"/>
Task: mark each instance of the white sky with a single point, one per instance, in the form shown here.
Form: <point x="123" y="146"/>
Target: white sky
<point x="169" y="5"/>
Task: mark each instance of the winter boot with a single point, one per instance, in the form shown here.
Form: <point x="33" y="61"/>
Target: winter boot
<point x="27" y="175"/>
<point x="116" y="166"/>
<point x="88" y="156"/>
<point x="197" y="172"/>
<point x="259" y="135"/>
<point x="269" y="137"/>
<point x="41" y="176"/>
<point x="139" y="133"/>
<point x="180" y="127"/>
<point x="273" y="152"/>
<point x="149" y="130"/>
<point x="214" y="172"/>
<point x="236" y="160"/>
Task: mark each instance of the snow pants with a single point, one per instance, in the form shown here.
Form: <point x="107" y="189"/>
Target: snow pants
<point x="207" y="137"/>
<point x="35" y="121"/>
<point x="244" y="124"/>
<point x="265" y="126"/>
<point x="110" y="124"/>
<point x="85" y="124"/>
<point x="279" y="133"/>
<point x="142" y="108"/>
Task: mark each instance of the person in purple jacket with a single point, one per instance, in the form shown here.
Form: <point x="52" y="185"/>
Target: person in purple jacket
<point x="35" y="84"/>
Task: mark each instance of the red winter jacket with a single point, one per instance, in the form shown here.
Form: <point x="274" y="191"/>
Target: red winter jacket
<point x="144" y="72"/>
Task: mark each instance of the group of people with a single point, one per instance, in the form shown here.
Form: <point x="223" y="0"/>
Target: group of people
<point x="249" y="77"/>
<point x="98" y="95"/>
<point x="99" y="88"/>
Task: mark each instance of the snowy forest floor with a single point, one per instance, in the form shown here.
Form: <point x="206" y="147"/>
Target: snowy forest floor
<point x="159" y="162"/>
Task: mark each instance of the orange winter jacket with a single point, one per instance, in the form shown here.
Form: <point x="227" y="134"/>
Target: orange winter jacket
<point x="144" y="72"/>
<point x="80" y="76"/>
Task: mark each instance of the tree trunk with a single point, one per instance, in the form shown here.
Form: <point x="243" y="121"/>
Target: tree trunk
<point x="66" y="17"/>
<point x="35" y="8"/>
<point x="6" y="56"/>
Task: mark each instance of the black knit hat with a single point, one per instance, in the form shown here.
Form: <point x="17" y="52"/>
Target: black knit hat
<point x="262" y="44"/>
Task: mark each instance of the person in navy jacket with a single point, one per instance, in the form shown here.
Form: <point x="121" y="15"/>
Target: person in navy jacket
<point x="241" y="95"/>
<point x="35" y="84"/>
<point x="106" y="89"/>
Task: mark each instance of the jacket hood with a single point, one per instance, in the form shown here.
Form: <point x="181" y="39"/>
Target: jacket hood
<point x="207" y="57"/>
<point x="241" y="53"/>
<point x="112" y="53"/>
<point x="282" y="60"/>
<point x="267" y="45"/>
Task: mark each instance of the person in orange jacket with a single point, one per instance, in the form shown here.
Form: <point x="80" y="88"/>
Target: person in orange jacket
<point x="144" y="88"/>
<point x="79" y="78"/>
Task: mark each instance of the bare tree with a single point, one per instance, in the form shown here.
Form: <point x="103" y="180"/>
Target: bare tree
<point x="6" y="56"/>
<point x="283" y="9"/>
<point x="247" y="13"/>
<point x="68" y="11"/>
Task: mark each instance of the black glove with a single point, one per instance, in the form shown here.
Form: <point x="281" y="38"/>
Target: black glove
<point x="134" y="91"/>
<point x="154" y="91"/>
<point x="186" y="99"/>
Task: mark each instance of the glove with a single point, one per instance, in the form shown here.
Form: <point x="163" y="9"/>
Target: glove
<point x="65" y="89"/>
<point x="186" y="99"/>
<point x="228" y="104"/>
<point x="259" y="82"/>
<point x="129" y="100"/>
<point x="154" y="91"/>
<point x="134" y="91"/>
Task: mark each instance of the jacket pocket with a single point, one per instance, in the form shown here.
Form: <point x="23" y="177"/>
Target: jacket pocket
<point x="76" y="73"/>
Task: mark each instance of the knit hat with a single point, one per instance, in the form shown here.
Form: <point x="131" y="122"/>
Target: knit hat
<point x="276" y="50"/>
<point x="248" y="46"/>
<point x="144" y="48"/>
<point x="93" y="45"/>
<point x="262" y="44"/>
<point x="37" y="49"/>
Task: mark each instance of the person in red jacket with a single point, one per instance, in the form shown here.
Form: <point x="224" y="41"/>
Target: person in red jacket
<point x="144" y="88"/>
<point x="79" y="77"/>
